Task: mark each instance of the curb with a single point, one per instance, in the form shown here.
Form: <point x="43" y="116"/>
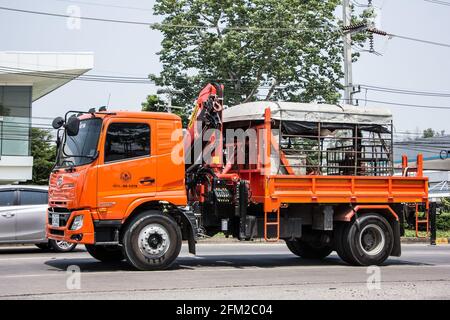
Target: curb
<point x="442" y="240"/>
<point x="232" y="240"/>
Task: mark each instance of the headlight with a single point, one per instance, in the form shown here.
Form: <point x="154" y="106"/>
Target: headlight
<point x="77" y="223"/>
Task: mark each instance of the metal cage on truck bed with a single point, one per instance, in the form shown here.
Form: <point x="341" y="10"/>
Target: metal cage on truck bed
<point x="322" y="155"/>
<point x="315" y="139"/>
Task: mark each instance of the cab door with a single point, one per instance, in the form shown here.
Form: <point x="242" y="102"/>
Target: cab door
<point x="127" y="165"/>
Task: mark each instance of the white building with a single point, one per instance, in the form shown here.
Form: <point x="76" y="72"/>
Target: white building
<point x="24" y="78"/>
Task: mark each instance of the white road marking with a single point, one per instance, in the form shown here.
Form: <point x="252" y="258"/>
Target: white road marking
<point x="212" y="269"/>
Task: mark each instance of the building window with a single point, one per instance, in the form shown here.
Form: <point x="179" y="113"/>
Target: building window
<point x="126" y="141"/>
<point x="15" y="120"/>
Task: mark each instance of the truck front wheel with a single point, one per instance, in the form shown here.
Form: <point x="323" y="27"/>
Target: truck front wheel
<point x="308" y="250"/>
<point x="368" y="240"/>
<point x="152" y="241"/>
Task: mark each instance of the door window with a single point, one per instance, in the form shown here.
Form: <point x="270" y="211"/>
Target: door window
<point x="6" y="198"/>
<point x="127" y="141"/>
<point x="33" y="197"/>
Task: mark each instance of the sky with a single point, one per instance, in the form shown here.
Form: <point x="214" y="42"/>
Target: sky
<point x="132" y="51"/>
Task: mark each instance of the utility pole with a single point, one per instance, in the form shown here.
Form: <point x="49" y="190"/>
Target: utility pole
<point x="169" y="92"/>
<point x="348" y="78"/>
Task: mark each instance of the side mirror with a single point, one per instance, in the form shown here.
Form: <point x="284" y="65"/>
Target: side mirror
<point x="72" y="126"/>
<point x="57" y="123"/>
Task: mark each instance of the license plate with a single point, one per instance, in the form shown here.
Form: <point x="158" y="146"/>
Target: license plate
<point x="55" y="220"/>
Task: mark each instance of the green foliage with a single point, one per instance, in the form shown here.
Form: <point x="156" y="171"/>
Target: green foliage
<point x="429" y="133"/>
<point x="292" y="51"/>
<point x="445" y="204"/>
<point x="43" y="151"/>
<point x="443" y="221"/>
<point x="153" y="104"/>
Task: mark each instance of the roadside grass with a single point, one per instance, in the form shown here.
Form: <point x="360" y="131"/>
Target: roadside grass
<point x="409" y="233"/>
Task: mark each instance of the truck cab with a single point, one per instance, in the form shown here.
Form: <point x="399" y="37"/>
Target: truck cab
<point x="110" y="168"/>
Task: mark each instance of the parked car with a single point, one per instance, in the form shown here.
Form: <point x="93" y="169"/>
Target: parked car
<point x="23" y="217"/>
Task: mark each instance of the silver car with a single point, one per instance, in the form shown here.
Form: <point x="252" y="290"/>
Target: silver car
<point x="23" y="215"/>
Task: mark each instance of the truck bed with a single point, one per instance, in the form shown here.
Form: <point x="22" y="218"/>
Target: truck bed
<point x="343" y="189"/>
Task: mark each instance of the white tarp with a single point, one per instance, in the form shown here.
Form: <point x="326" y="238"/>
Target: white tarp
<point x="308" y="112"/>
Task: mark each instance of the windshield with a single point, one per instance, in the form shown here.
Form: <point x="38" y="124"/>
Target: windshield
<point x="82" y="148"/>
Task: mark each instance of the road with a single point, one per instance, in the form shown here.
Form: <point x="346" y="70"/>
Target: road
<point x="226" y="271"/>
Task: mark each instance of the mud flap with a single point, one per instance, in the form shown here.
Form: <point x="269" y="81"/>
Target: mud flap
<point x="396" y="249"/>
<point x="191" y="243"/>
<point x="191" y="222"/>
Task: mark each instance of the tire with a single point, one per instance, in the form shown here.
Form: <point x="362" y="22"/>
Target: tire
<point x="340" y="244"/>
<point x="105" y="253"/>
<point x="61" y="246"/>
<point x="152" y="241"/>
<point x="308" y="250"/>
<point x="42" y="246"/>
<point x="368" y="240"/>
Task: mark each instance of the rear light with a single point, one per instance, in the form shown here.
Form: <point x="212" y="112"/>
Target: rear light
<point x="77" y="223"/>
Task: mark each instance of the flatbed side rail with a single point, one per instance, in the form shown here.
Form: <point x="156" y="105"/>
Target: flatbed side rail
<point x="343" y="189"/>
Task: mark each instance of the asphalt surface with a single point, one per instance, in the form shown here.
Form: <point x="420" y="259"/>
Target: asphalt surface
<point x="226" y="271"/>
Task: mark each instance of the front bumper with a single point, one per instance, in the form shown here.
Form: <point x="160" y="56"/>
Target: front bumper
<point x="84" y="235"/>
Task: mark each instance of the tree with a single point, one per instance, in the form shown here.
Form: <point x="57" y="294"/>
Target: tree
<point x="429" y="133"/>
<point x="260" y="49"/>
<point x="43" y="151"/>
<point x="153" y="104"/>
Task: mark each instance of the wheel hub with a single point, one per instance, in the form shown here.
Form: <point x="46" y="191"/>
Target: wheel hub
<point x="372" y="239"/>
<point x="154" y="241"/>
<point x="63" y="245"/>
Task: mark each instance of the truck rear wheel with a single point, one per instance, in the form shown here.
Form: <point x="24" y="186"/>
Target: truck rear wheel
<point x="105" y="253"/>
<point x="340" y="243"/>
<point x="308" y="250"/>
<point x="152" y="241"/>
<point x="368" y="240"/>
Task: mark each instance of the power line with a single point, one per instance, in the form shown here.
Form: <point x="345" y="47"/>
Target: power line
<point x="202" y="27"/>
<point x="150" y="24"/>
<point x="446" y="45"/>
<point x="113" y="79"/>
<point x="136" y="80"/>
<point x="72" y="75"/>
<point x="438" y="2"/>
<point x="67" y="76"/>
<point x="406" y="105"/>
<point x="82" y="17"/>
<point x="405" y="91"/>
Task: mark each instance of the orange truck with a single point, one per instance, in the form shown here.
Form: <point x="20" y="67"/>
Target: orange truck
<point x="133" y="185"/>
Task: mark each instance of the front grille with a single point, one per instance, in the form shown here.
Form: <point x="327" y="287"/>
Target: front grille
<point x="63" y="213"/>
<point x="59" y="210"/>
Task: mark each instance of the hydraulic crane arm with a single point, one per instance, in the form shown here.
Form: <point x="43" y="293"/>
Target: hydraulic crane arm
<point x="207" y="114"/>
